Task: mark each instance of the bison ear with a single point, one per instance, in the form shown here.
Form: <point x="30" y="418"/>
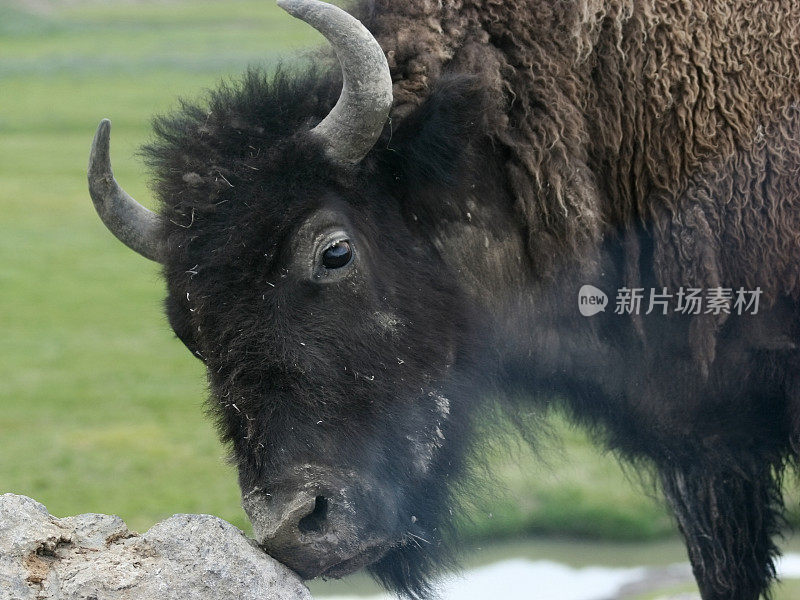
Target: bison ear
<point x="433" y="144"/>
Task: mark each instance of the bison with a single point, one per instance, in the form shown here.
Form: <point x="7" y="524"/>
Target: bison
<point x="366" y="257"/>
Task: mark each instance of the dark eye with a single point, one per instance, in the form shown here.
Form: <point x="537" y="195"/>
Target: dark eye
<point x="337" y="255"/>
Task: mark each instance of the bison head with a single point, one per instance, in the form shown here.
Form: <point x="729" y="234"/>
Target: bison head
<point x="302" y="271"/>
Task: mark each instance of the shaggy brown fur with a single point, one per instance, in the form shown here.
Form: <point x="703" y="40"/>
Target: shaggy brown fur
<point x="682" y="115"/>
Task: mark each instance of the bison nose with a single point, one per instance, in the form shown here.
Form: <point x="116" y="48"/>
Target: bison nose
<point x="322" y="529"/>
<point x="277" y="518"/>
<point x="315" y="521"/>
<point x="310" y="531"/>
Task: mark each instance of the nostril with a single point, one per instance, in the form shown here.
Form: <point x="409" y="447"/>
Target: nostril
<point x="314" y="522"/>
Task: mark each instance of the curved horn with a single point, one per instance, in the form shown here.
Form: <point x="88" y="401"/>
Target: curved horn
<point x="356" y="122"/>
<point x="132" y="223"/>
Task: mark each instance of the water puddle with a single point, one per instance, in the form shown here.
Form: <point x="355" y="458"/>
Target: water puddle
<point x="532" y="577"/>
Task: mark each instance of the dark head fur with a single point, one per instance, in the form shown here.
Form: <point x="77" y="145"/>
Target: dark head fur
<point x="356" y="372"/>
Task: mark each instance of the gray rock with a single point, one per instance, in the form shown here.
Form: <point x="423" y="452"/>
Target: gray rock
<point x="96" y="557"/>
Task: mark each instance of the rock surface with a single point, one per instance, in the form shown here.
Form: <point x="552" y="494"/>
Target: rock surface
<point x="96" y="557"/>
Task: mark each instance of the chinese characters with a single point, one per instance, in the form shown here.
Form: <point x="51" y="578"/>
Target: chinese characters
<point x="687" y="301"/>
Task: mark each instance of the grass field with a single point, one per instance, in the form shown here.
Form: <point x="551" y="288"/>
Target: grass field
<point x="100" y="407"/>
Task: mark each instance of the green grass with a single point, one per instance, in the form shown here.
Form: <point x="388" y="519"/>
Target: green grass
<point x="100" y="407"/>
<point x="568" y="487"/>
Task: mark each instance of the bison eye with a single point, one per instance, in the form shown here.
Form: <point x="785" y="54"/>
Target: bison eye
<point x="337" y="255"/>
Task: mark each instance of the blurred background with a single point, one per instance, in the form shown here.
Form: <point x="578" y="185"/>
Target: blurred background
<point x="101" y="408"/>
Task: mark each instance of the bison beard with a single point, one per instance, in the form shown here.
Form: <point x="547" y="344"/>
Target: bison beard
<point x="533" y="147"/>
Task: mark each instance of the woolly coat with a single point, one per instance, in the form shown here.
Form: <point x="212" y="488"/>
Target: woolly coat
<point x="682" y="116"/>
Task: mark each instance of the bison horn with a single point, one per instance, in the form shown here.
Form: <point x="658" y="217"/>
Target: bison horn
<point x="356" y="122"/>
<point x="132" y="223"/>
